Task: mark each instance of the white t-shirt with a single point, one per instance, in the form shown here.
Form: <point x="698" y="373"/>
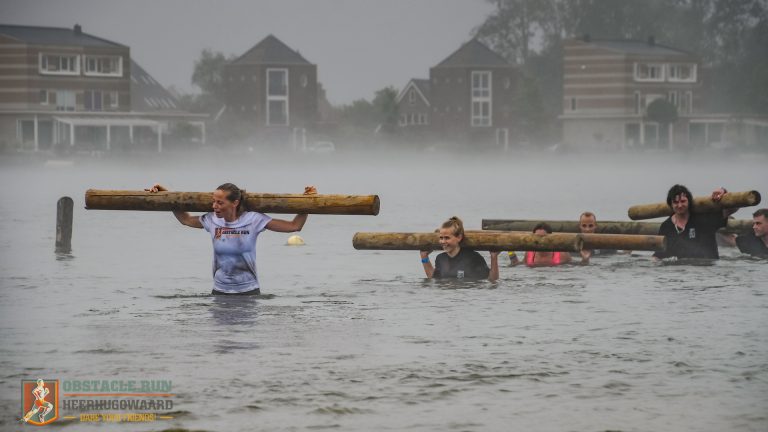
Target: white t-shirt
<point x="234" y="250"/>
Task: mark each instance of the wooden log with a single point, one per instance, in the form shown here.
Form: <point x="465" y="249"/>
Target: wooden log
<point x="201" y="202"/>
<point x="735" y="226"/>
<point x="64" y="216"/>
<point x="631" y="242"/>
<point x="701" y="205"/>
<point x="477" y="240"/>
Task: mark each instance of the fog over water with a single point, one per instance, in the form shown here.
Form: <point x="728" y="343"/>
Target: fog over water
<point x="359" y="340"/>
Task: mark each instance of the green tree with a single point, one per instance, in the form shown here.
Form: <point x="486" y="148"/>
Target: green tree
<point x="382" y="111"/>
<point x="208" y="74"/>
<point x="513" y="26"/>
<point x="661" y="111"/>
<point x="385" y="108"/>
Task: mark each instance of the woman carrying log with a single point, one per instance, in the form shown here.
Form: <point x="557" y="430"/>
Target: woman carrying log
<point x="234" y="233"/>
<point x="545" y="259"/>
<point x="457" y="262"/>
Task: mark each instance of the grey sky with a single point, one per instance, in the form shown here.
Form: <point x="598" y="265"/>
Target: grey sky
<point x="359" y="46"/>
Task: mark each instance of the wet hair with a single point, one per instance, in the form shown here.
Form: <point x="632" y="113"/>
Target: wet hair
<point x="234" y="193"/>
<point x="680" y="190"/>
<point x="761" y="212"/>
<point x="456" y="225"/>
<point x="588" y="214"/>
<point x="543" y="225"/>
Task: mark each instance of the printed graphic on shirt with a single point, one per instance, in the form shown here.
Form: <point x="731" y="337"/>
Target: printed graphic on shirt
<point x="229" y="232"/>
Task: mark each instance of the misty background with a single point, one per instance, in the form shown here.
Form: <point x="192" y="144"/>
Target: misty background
<point x="366" y="52"/>
<point x="360" y="45"/>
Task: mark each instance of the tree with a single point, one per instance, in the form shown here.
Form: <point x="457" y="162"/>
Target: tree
<point x="511" y="29"/>
<point x="385" y="108"/>
<point x="208" y="74"/>
<point x="661" y="111"/>
<point x="369" y="115"/>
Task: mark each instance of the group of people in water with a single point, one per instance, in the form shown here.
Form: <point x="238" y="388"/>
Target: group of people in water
<point x="234" y="232"/>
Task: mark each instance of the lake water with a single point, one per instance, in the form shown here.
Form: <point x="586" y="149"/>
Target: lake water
<point x="358" y="340"/>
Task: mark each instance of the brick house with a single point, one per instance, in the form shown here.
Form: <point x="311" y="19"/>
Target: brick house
<point x="63" y="87"/>
<point x="608" y="85"/>
<point x="472" y="94"/>
<point x="272" y="89"/>
<point x="413" y="105"/>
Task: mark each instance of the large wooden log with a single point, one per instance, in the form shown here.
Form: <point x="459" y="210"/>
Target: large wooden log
<point x="477" y="240"/>
<point x="614" y="241"/>
<point x="701" y="205"/>
<point x="603" y="227"/>
<point x="201" y="202"/>
<point x="624" y="242"/>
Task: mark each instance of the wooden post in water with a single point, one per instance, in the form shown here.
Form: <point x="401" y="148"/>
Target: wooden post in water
<point x="735" y="226"/>
<point x="477" y="240"/>
<point x="202" y="201"/>
<point x="701" y="205"/>
<point x="64" y="225"/>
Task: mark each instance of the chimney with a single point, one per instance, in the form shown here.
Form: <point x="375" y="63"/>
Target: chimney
<point x="78" y="29"/>
<point x="587" y="37"/>
<point x="651" y="40"/>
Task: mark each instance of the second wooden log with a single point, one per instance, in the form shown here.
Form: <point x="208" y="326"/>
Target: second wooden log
<point x="700" y="205"/>
<point x="625" y="242"/>
<point x="477" y="240"/>
<point x="735" y="226"/>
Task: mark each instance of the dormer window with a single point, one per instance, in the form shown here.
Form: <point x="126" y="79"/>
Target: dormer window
<point x="103" y="66"/>
<point x="59" y="64"/>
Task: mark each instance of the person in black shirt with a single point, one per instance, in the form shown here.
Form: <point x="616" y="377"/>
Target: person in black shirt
<point x="689" y="234"/>
<point x="457" y="262"/>
<point x="756" y="242"/>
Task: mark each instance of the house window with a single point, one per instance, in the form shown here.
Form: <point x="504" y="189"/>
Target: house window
<point x="507" y="83"/>
<point x="673" y="98"/>
<point x="92" y="100"/>
<point x="412" y="119"/>
<point x="65" y="100"/>
<point x="43" y="97"/>
<point x="304" y="80"/>
<point x="403" y="120"/>
<point x="103" y="66"/>
<point x="681" y="72"/>
<point x="277" y="96"/>
<point x="481" y="98"/>
<point x="114" y="99"/>
<point x="412" y="96"/>
<point x="573" y="104"/>
<point x="54" y="64"/>
<point x="686" y="103"/>
<point x="649" y="72"/>
<point x="638" y="103"/>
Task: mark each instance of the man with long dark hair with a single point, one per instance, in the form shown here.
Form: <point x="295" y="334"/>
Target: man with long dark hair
<point x="690" y="234"/>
